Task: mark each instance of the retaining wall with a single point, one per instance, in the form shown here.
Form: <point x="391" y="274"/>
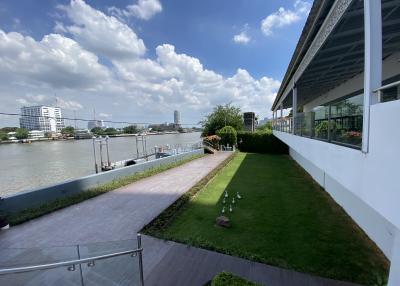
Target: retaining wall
<point x="37" y="197"/>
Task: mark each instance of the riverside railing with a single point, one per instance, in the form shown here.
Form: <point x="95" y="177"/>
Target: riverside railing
<point x="106" y="263"/>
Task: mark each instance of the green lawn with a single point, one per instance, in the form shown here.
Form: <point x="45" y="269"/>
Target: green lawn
<point x="283" y="219"/>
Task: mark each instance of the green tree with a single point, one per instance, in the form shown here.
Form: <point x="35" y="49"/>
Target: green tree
<point x="21" y="133"/>
<point x="110" y="131"/>
<point x="9" y="129"/>
<point x="3" y="136"/>
<point x="97" y="131"/>
<point x="131" y="129"/>
<point x="68" y="131"/>
<point x="267" y="127"/>
<point x="228" y="135"/>
<point x="222" y="115"/>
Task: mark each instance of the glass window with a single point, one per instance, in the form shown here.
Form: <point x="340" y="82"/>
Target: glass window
<point x="390" y="94"/>
<point x="321" y="115"/>
<point x="346" y="121"/>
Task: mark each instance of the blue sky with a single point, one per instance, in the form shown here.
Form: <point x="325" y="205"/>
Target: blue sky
<point x="138" y="60"/>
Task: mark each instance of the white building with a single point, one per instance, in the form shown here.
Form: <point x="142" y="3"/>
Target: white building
<point x="177" y="118"/>
<point x="342" y="85"/>
<point x="42" y="118"/>
<point x="36" y="134"/>
<point x="95" y="123"/>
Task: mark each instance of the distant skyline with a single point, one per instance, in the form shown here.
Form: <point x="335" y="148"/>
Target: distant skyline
<point x="139" y="60"/>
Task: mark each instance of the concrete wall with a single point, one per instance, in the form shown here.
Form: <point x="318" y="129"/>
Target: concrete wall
<point x="39" y="196"/>
<point x="366" y="185"/>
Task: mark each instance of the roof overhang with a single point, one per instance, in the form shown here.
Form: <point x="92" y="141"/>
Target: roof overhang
<point x="335" y="53"/>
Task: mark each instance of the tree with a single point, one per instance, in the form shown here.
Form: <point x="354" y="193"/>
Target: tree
<point x="131" y="129"/>
<point x="68" y="131"/>
<point x="21" y="133"/>
<point x="9" y="129"/>
<point x="222" y="115"/>
<point x="48" y="135"/>
<point x="97" y="131"/>
<point x="267" y="127"/>
<point x="3" y="136"/>
<point x="111" y="131"/>
<point x="228" y="136"/>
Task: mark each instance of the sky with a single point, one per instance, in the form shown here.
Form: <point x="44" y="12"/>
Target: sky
<point x="139" y="60"/>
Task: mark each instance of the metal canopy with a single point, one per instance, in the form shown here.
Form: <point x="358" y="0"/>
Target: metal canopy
<point x="342" y="55"/>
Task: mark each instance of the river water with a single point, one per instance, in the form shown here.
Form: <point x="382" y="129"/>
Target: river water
<point x="28" y="166"/>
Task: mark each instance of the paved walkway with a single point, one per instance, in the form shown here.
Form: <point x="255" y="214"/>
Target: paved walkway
<point x="117" y="215"/>
<point x="167" y="263"/>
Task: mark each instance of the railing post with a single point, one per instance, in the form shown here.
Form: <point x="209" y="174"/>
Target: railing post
<point x="294" y="108"/>
<point x="372" y="62"/>
<point x="139" y="242"/>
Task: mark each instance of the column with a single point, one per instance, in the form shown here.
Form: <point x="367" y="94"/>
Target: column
<point x="372" y="61"/>
<point x="294" y="107"/>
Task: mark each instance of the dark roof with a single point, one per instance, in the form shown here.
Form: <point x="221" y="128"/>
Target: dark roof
<point x="314" y="21"/>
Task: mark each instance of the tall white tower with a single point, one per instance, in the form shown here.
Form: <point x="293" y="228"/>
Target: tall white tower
<point x="177" y="118"/>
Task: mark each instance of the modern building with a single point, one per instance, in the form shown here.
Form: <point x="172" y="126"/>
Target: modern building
<point x="249" y="119"/>
<point x="177" y="118"/>
<point x="263" y="121"/>
<point x="42" y="118"/>
<point x="83" y="134"/>
<point x="36" y="134"/>
<point x="95" y="123"/>
<point x="342" y="85"/>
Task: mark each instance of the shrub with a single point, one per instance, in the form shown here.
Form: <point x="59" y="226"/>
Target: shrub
<point x="228" y="135"/>
<point x="261" y="142"/>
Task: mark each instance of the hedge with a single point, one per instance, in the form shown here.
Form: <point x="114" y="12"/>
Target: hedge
<point x="261" y="142"/>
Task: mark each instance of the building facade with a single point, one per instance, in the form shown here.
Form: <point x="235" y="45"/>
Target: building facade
<point x="95" y="123"/>
<point x="41" y="118"/>
<point x="249" y="119"/>
<point x="342" y="87"/>
<point x="177" y="118"/>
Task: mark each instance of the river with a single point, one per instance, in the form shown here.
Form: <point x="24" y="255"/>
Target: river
<point x="28" y="166"/>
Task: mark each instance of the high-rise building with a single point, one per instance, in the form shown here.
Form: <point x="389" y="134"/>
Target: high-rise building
<point x="95" y="123"/>
<point x="43" y="118"/>
<point x="249" y="119"/>
<point x="177" y="118"/>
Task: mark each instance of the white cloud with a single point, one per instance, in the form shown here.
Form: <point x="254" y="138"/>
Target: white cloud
<point x="99" y="33"/>
<point x="144" y="9"/>
<point x="69" y="104"/>
<point x="133" y="86"/>
<point x="285" y="17"/>
<point x="105" y="115"/>
<point x="241" y="38"/>
<point x="54" y="61"/>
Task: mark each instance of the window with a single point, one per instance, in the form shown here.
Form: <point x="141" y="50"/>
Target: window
<point x="346" y="121"/>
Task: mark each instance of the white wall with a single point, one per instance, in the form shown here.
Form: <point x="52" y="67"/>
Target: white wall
<point x="390" y="68"/>
<point x="360" y="181"/>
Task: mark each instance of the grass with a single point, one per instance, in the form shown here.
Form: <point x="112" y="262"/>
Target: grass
<point x="31" y="213"/>
<point x="284" y="219"/>
<point x="228" y="279"/>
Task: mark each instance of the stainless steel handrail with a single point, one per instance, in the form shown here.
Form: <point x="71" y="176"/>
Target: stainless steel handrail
<point x="31" y="268"/>
<point x="65" y="263"/>
<point x="393" y="84"/>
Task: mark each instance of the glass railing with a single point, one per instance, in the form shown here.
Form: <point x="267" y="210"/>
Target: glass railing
<point x="338" y="122"/>
<point x="103" y="263"/>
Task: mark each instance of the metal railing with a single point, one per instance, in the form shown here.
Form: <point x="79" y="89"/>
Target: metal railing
<point x="74" y="265"/>
<point x="388" y="92"/>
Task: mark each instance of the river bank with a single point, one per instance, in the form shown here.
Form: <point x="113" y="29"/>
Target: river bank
<point x="30" y="166"/>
